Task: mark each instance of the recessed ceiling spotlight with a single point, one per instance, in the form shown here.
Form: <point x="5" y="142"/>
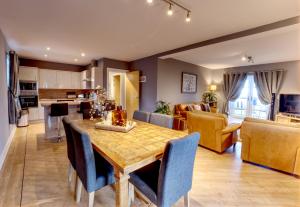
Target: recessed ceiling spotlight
<point x="149" y="1"/>
<point x="76" y="60"/>
<point x="48" y="48"/>
<point x="188" y="17"/>
<point x="170" y="10"/>
<point x="244" y="58"/>
<point x="82" y="54"/>
<point x="45" y="55"/>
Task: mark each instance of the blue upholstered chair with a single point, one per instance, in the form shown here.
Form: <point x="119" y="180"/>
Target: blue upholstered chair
<point x="165" y="182"/>
<point x="70" y="147"/>
<point x="93" y="171"/>
<point x="141" y="116"/>
<point x="161" y="120"/>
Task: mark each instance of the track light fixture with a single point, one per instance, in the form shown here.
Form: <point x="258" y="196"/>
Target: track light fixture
<point x="188" y="17"/>
<point x="173" y="3"/>
<point x="170" y="11"/>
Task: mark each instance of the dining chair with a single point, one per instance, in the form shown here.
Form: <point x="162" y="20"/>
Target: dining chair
<point x="141" y="116"/>
<point x="70" y="147"/>
<point x="161" y="120"/>
<point x="165" y="182"/>
<point x="93" y="171"/>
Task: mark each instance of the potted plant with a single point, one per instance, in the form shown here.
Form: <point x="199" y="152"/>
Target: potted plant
<point x="163" y="107"/>
<point x="210" y="98"/>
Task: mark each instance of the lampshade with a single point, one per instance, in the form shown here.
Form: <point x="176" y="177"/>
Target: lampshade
<point x="212" y="87"/>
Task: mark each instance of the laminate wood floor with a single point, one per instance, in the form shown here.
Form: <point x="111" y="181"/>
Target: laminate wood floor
<point x="35" y="174"/>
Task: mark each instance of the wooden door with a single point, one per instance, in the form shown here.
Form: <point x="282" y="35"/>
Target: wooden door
<point x="132" y="92"/>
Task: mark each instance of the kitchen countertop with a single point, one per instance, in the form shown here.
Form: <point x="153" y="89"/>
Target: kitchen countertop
<point x="71" y="102"/>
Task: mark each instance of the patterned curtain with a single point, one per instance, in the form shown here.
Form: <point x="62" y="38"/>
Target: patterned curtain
<point x="268" y="83"/>
<point x="233" y="85"/>
<point x="13" y="88"/>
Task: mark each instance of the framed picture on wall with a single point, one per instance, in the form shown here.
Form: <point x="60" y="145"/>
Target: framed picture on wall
<point x="188" y="83"/>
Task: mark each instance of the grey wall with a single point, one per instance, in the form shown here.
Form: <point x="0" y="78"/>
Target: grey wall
<point x="148" y="90"/>
<point x="291" y="82"/>
<point x="5" y="127"/>
<point x="169" y="81"/>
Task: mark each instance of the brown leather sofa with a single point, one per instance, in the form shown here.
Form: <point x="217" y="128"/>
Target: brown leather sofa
<point x="271" y="144"/>
<point x="215" y="133"/>
<point x="183" y="109"/>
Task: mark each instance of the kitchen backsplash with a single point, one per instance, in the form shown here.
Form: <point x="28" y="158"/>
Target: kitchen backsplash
<point x="60" y="93"/>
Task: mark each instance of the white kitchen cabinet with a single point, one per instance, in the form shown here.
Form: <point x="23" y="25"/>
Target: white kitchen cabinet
<point x="76" y="80"/>
<point x="28" y="73"/>
<point x="83" y="80"/>
<point x="64" y="79"/>
<point x="47" y="78"/>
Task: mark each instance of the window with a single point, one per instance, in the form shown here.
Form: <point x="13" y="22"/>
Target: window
<point x="248" y="103"/>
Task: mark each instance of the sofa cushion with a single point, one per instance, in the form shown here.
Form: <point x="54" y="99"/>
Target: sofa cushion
<point x="197" y="107"/>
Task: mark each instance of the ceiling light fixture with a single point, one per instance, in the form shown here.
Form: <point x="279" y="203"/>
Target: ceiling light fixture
<point x="76" y="60"/>
<point x="149" y="1"/>
<point x="247" y="58"/>
<point x="82" y="54"/>
<point x="45" y="55"/>
<point x="48" y="48"/>
<point x="188" y="17"/>
<point x="170" y="11"/>
<point x="173" y="3"/>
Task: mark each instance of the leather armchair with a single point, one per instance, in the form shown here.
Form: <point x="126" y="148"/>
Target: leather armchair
<point x="215" y="132"/>
<point x="271" y="144"/>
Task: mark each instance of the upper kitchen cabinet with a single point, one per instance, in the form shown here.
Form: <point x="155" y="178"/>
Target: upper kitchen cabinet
<point x="64" y="79"/>
<point x="75" y="80"/>
<point x="47" y="78"/>
<point x="28" y="73"/>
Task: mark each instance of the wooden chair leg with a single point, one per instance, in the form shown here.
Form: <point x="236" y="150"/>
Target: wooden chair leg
<point x="78" y="189"/>
<point x="70" y="170"/>
<point x="91" y="199"/>
<point x="130" y="194"/>
<point x="187" y="200"/>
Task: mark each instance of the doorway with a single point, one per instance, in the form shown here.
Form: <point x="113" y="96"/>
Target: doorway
<point x="117" y="89"/>
<point x="248" y="103"/>
<point x="123" y="87"/>
<point x="116" y="86"/>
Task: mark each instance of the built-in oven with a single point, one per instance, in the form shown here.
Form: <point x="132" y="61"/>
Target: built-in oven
<point x="28" y="94"/>
<point x="28" y="101"/>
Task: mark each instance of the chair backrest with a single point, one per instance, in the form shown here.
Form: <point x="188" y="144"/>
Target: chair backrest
<point x="176" y="170"/>
<point x="141" y="116"/>
<point x="59" y="109"/>
<point x="85" y="160"/>
<point x="70" y="141"/>
<point x="161" y="120"/>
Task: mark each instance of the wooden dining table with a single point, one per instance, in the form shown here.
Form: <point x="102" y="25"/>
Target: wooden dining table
<point x="130" y="151"/>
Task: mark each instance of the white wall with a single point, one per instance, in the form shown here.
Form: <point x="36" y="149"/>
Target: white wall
<point x="169" y="81"/>
<point x="291" y="82"/>
<point x="6" y="131"/>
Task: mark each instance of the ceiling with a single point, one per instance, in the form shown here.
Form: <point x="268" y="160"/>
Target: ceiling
<point x="278" y="45"/>
<point x="126" y="29"/>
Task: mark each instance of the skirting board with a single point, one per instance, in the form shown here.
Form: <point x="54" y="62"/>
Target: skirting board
<point x="7" y="145"/>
